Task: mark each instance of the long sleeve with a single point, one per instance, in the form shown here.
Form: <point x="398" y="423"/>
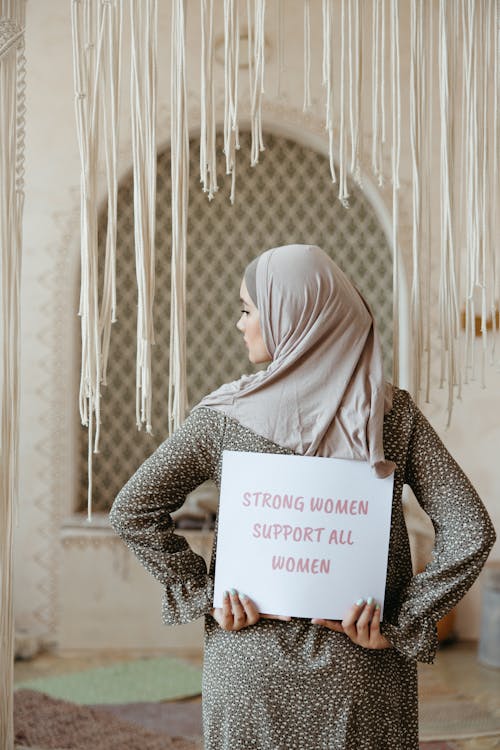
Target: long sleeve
<point x="464" y="536"/>
<point x="141" y="514"/>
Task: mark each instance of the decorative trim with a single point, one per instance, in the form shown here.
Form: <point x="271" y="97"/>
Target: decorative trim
<point x="10" y="34"/>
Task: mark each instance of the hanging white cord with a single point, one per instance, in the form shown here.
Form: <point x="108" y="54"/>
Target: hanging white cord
<point x="448" y="299"/>
<point x="231" y="69"/>
<point x="143" y="95"/>
<point x="376" y="169"/>
<point x="355" y="80"/>
<point x="343" y="191"/>
<point x="256" y="74"/>
<point x="487" y="178"/>
<point x="464" y="183"/>
<point x="395" y="156"/>
<point x="471" y="177"/>
<point x="382" y="59"/>
<point x="177" y="389"/>
<point x="473" y="151"/>
<point x="87" y="39"/>
<point x="280" y="27"/>
<point x="461" y="231"/>
<point x="495" y="175"/>
<point x="110" y="77"/>
<point x="12" y="123"/>
<point x="417" y="73"/>
<point x="375" y="58"/>
<point x="378" y="88"/>
<point x="455" y="175"/>
<point x="307" y="56"/>
<point x="328" y="80"/>
<point x="96" y="33"/>
<point x="427" y="96"/>
<point x="444" y="188"/>
<point x="484" y="269"/>
<point x="325" y="9"/>
<point x="208" y="153"/>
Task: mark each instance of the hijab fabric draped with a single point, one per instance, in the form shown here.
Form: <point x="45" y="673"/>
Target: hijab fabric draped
<point x="323" y="393"/>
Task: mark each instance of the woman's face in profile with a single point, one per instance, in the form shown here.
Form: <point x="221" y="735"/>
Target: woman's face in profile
<point x="249" y="325"/>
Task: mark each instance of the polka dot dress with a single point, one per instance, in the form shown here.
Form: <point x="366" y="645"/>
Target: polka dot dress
<point x="293" y="685"/>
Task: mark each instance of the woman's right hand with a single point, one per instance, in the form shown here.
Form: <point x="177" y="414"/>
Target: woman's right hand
<point x="238" y="611"/>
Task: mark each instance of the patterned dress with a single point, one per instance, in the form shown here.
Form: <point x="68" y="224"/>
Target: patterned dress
<point x="293" y="685"/>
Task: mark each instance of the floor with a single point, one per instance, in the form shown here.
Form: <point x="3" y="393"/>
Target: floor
<point x="456" y="664"/>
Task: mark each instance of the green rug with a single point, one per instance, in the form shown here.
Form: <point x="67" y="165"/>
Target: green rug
<point x="159" y="679"/>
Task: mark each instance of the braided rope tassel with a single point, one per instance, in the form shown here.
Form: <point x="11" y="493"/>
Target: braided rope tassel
<point x="280" y="43"/>
<point x="417" y="78"/>
<point x="355" y="87"/>
<point x="378" y="88"/>
<point x="96" y="33"/>
<point x="208" y="154"/>
<point x="343" y="191"/>
<point x="307" y="56"/>
<point x="231" y="66"/>
<point x="256" y="60"/>
<point x="427" y="97"/>
<point x="327" y="80"/>
<point x="488" y="169"/>
<point x="448" y="301"/>
<point x="110" y="77"/>
<point x="143" y="93"/>
<point x="495" y="173"/>
<point x="470" y="178"/>
<point x="84" y="33"/>
<point x="396" y="149"/>
<point x="177" y="391"/>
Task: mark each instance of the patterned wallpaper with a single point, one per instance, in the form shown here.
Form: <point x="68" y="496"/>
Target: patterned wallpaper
<point x="287" y="198"/>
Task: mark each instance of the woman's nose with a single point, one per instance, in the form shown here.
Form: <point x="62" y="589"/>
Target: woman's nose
<point x="240" y="325"/>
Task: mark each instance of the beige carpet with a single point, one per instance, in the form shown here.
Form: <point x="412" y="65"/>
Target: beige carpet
<point x="450" y="715"/>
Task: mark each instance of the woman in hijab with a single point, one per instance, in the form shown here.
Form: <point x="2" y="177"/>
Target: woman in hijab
<point x="281" y="683"/>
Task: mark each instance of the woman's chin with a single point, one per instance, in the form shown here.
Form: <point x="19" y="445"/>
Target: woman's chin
<point x="259" y="360"/>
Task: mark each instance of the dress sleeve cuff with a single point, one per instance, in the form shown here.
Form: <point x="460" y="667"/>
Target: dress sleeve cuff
<point x="185" y="601"/>
<point x="417" y="640"/>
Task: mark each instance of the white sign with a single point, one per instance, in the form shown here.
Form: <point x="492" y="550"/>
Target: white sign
<point x="302" y="536"/>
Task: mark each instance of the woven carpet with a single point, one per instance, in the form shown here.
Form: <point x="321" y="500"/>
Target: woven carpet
<point x="447" y="714"/>
<point x="44" y="722"/>
<point x="154" y="679"/>
<point x="457" y="719"/>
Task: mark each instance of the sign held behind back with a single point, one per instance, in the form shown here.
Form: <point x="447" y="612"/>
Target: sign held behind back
<point x="302" y="536"/>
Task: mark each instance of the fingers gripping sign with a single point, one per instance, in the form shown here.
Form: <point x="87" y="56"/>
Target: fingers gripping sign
<point x="239" y="611"/>
<point x="361" y="624"/>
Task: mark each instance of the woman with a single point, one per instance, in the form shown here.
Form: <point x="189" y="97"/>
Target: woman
<point x="289" y="683"/>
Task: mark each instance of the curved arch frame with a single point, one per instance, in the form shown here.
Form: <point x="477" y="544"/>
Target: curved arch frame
<point x="280" y="120"/>
<point x="313" y="140"/>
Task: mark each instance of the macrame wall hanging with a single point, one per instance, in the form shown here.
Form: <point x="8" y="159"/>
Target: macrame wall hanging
<point x="453" y="61"/>
<point x="12" y="109"/>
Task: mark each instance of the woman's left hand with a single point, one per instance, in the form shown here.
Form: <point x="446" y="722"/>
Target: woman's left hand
<point x="361" y="624"/>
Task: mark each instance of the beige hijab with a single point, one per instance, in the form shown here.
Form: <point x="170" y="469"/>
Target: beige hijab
<point x="323" y="394"/>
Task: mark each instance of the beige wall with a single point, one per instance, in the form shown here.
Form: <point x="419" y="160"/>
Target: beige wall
<point x="50" y="325"/>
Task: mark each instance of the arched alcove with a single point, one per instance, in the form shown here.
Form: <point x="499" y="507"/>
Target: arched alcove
<point x="288" y="197"/>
